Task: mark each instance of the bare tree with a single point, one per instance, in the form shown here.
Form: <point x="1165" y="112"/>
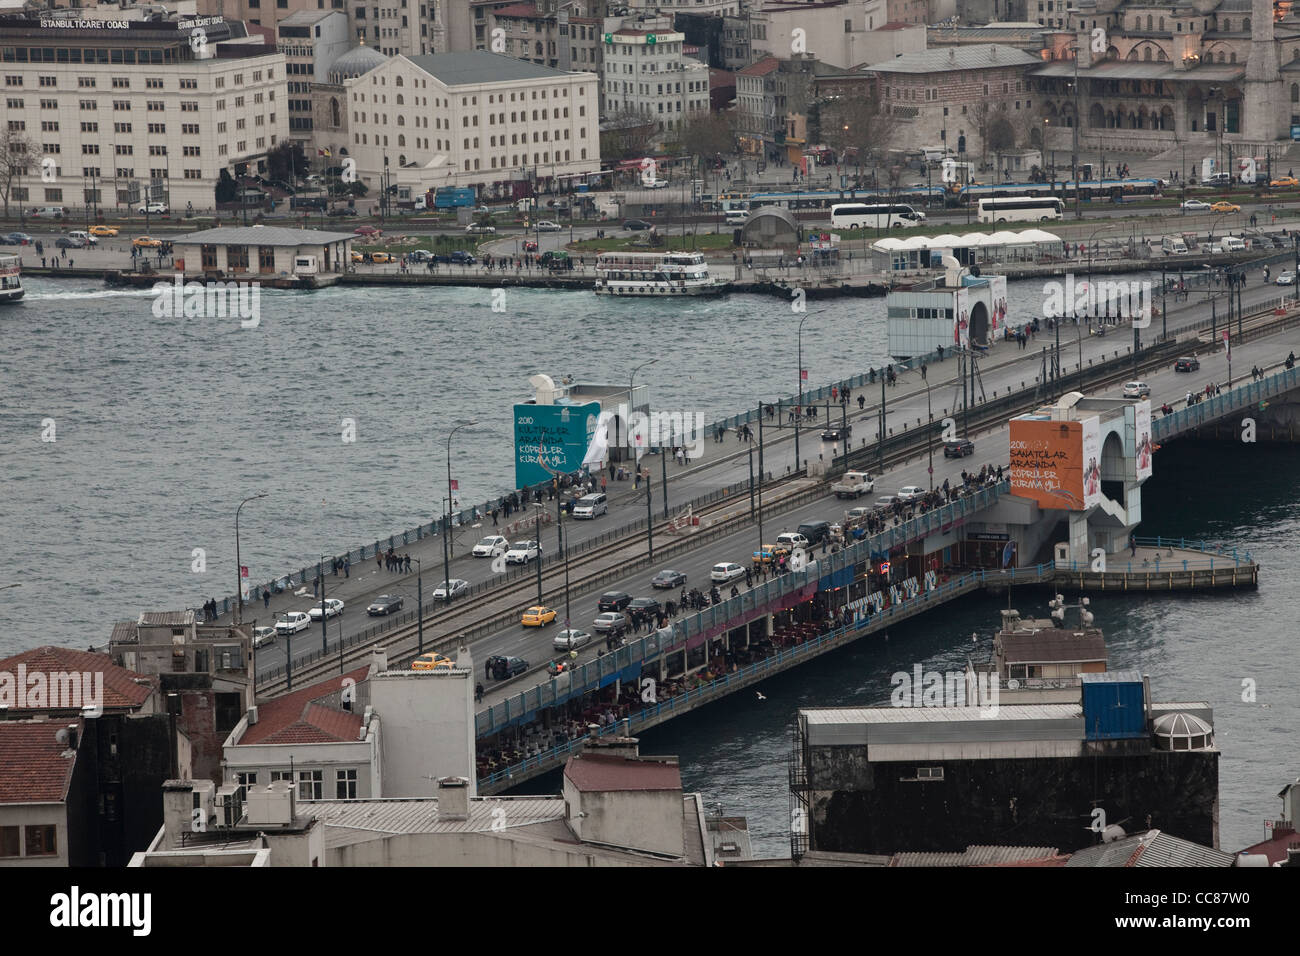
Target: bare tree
<point x="859" y="126"/>
<point x="17" y="152"/>
<point x="626" y="135"/>
<point x="708" y="135"/>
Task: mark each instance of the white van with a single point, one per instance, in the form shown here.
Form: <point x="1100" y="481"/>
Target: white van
<point x="84" y="236"/>
<point x="737" y="217"/>
<point x="590" y="506"/>
<point x="1173" y="246"/>
<point x="1232" y="244"/>
<point x="791" y="540"/>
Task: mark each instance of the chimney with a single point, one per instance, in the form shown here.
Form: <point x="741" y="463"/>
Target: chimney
<point x="627" y="747"/>
<point x="993" y="53"/>
<point x="378" y="661"/>
<point x="453" y="798"/>
<point x="952" y="54"/>
<point x="72" y="736"/>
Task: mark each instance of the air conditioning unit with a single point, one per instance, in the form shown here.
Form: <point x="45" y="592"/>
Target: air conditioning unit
<point x="228" y="807"/>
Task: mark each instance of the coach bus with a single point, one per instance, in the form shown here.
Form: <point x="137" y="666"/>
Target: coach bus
<point x="1020" y="209"/>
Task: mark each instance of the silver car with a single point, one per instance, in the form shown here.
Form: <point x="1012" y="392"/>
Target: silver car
<point x="570" y="640"/>
<point x="451" y="589"/>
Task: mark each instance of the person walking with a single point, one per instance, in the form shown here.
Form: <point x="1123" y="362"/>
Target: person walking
<point x="266" y="599"/>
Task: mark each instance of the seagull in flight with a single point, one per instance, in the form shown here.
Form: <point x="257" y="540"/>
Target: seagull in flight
<point x="759" y="695"/>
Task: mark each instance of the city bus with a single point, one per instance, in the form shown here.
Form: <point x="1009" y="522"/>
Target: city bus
<point x="1020" y="209"/>
<point x="857" y="215"/>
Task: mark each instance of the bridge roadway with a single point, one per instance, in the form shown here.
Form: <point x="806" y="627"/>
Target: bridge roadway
<point x="1006" y="367"/>
<point x="534" y="644"/>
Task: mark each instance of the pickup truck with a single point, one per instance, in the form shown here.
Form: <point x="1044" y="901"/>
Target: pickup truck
<point x="853" y="484"/>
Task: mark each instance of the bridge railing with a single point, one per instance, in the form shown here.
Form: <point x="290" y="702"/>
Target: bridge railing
<point x="604" y="670"/>
<point x="1235" y="399"/>
<point x="781" y="659"/>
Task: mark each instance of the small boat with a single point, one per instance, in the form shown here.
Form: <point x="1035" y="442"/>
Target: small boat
<point x="655" y="274"/>
<point x="11" y="282"/>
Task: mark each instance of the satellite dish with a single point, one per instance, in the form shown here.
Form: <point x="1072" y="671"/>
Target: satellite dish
<point x="61" y="736"/>
<point x="1013" y="684"/>
<point x="1112" y="833"/>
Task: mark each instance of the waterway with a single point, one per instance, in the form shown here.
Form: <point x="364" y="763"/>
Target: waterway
<point x="163" y="425"/>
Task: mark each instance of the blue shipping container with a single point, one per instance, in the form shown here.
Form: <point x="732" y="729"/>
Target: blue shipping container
<point x="450" y="197"/>
<point x="1114" y="705"/>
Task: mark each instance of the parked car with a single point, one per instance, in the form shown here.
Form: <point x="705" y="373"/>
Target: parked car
<point x="86" y="238"/>
<point x="1285" y="278"/>
<point x="419" y="255"/>
<point x="636" y="225"/>
<point x="1137" y="390"/>
<point x="451" y="589"/>
<point x="342" y="212"/>
<point x="152" y="209"/>
<point x="668" y="579"/>
<point x="382" y="258"/>
<point x="958" y="448"/>
<point x="647" y="607"/>
<point x="333" y="608"/>
<point x="910" y="492"/>
<point x="609" y="621"/>
<point x="530" y="245"/>
<point x="458" y="258"/>
<point x="491" y="546"/>
<point x="1196" y="205"/>
<point x="521" y="552"/>
<point x="537" y="616"/>
<point x="17" y="239"/>
<point x="502" y="667"/>
<point x="613" y="601"/>
<point x="726" y="571"/>
<point x="571" y="639"/>
<point x="108" y="231"/>
<point x="792" y="539"/>
<point x="480" y="229"/>
<point x="366" y="230"/>
<point x="1187" y="363"/>
<point x="546" y="225"/>
<point x="146" y="242"/>
<point x="263" y="636"/>
<point x="292" y="623"/>
<point x="384" y="604"/>
<point x="1285" y="182"/>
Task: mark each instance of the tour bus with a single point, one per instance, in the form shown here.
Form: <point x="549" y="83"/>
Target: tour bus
<point x="857" y="215"/>
<point x="1020" y="209"/>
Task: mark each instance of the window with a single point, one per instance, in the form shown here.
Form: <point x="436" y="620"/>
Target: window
<point x="40" y="839"/>
<point x="237" y="261"/>
<point x="193" y="174"/>
<point x="153" y="83"/>
<point x="117" y="127"/>
<point x="157" y="128"/>
<point x="9" y="842"/>
<point x="88" y="104"/>
<point x="311" y="783"/>
<point x="47" y="81"/>
<point x="929" y="773"/>
<point x="154" y="106"/>
<point x="345" y="784"/>
<point x="275" y="774"/>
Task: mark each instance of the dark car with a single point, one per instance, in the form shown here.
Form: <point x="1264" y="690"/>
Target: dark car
<point x="636" y="225"/>
<point x="837" y="433"/>
<point x="1187" y="364"/>
<point x="501" y="667"/>
<point x="669" y="579"/>
<point x="646" y="607"/>
<point x="70" y="242"/>
<point x="342" y="212"/>
<point x="460" y="257"/>
<point x="614" y="601"/>
<point x="959" y="448"/>
<point x="419" y="255"/>
<point x="384" y="604"/>
<point x="17" y="239"/>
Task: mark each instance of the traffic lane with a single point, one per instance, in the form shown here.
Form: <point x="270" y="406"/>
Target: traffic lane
<point x="736" y="547"/>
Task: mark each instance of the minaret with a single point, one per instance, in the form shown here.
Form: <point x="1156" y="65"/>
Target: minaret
<point x="1263" y="87"/>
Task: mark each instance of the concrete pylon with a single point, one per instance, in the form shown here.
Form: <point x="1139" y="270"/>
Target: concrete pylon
<point x="1263" y="87"/>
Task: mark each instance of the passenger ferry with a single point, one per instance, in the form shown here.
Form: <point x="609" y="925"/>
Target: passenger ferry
<point x="654" y="274"/>
<point x="11" y="283"/>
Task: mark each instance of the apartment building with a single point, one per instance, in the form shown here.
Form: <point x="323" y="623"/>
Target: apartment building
<point x="123" y="105"/>
<point x="311" y="41"/>
<point x="647" y="72"/>
<point x="472" y="119"/>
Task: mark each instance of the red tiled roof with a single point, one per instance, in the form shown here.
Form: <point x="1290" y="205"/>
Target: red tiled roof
<point x="896" y="25"/>
<point x="296" y="718"/>
<point x="517" y="10"/>
<point x="762" y="67"/>
<point x="1276" y="848"/>
<point x="121" y="687"/>
<point x="32" y="766"/>
<point x="596" y="772"/>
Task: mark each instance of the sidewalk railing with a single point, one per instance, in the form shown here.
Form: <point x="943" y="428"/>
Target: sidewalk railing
<point x="1237" y="398"/>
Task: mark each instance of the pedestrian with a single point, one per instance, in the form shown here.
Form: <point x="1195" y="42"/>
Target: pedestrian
<point x="408" y="564"/>
<point x="379" y="559"/>
<point x="1133" y="545"/>
<point x="478" y="693"/>
<point x="266" y="599"/>
<point x="315" y="586"/>
<point x="861" y="402"/>
<point x="347" y="566"/>
<point x="749" y="578"/>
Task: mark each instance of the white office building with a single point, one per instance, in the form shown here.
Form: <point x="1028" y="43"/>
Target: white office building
<point x="647" y="73"/>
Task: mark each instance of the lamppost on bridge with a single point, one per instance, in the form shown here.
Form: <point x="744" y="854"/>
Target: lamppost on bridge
<point x="419" y="606"/>
<point x="631" y="394"/>
<point x="450" y="498"/>
<point x="239" y="566"/>
<point x="798" y="461"/>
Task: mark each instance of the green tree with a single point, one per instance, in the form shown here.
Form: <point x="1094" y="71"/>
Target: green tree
<point x="227" y="189"/>
<point x="286" y="161"/>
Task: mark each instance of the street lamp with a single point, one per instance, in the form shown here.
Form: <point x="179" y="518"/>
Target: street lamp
<point x="419" y="605"/>
<point x="447" y="545"/>
<point x="631" y="401"/>
<point x="541" y="510"/>
<point x="324" y="621"/>
<point x="239" y="567"/>
<point x="799" y="412"/>
<point x="929" y="432"/>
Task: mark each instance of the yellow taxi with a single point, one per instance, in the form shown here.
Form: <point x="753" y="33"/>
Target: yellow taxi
<point x="769" y="553"/>
<point x="103" y="231"/>
<point x="1222" y="206"/>
<point x="382" y="258"/>
<point x="538" y="616"/>
<point x="146" y="242"/>
<point x="432" y="662"/>
<point x="1286" y="182"/>
<point x="358" y="257"/>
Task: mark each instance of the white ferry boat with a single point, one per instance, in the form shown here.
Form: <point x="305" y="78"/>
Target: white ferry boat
<point x="654" y="274"/>
<point x="11" y="283"/>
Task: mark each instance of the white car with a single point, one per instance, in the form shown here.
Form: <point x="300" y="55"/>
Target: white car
<point x="607" y="621"/>
<point x="479" y="229"/>
<point x="885" y="501"/>
<point x="1137" y="390"/>
<point x="292" y="623"/>
<point x="333" y="608"/>
<point x="491" y="546"/>
<point x="722" y="573"/>
<point x="571" y="639"/>
<point x="547" y="226"/>
<point x="910" y="492"/>
<point x="521" y="552"/>
<point x="455" y="587"/>
<point x="152" y="208"/>
<point x="1285" y="278"/>
<point x="1196" y="205"/>
<point x="657" y="184"/>
<point x="263" y="635"/>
